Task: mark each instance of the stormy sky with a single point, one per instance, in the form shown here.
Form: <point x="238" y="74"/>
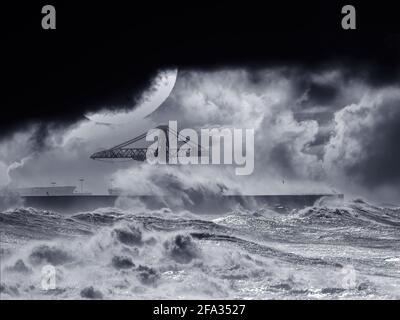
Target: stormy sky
<point x="324" y="102"/>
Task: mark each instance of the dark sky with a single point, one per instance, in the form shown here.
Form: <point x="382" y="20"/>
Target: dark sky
<point x="103" y="54"/>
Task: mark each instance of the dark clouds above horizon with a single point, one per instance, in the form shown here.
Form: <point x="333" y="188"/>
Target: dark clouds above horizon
<point x="104" y="56"/>
<point x="337" y="91"/>
<point x="313" y="137"/>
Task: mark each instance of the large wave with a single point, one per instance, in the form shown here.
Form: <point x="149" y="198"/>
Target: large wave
<point x="329" y="250"/>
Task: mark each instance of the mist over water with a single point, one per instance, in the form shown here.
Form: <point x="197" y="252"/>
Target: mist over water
<point x="331" y="250"/>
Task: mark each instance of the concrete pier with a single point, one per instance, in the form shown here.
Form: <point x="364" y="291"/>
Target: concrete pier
<point x="198" y="204"/>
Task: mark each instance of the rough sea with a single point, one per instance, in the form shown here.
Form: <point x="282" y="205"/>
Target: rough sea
<point x="347" y="250"/>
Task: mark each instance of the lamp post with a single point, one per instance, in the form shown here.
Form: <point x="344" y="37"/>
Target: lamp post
<point x="81" y="180"/>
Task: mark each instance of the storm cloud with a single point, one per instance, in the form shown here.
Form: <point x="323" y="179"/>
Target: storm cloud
<point x="314" y="132"/>
<point x="323" y="101"/>
<point x="365" y="145"/>
<point x="346" y="140"/>
<point x="103" y="56"/>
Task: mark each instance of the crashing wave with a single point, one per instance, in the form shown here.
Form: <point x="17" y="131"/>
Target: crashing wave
<point x="113" y="253"/>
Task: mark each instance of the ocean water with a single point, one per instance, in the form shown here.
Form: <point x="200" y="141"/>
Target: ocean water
<point x="348" y="250"/>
